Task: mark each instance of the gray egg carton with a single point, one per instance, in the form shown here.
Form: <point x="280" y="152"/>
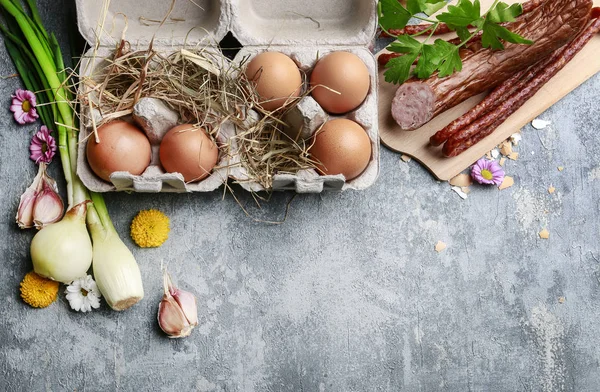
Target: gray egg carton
<point x="305" y="30"/>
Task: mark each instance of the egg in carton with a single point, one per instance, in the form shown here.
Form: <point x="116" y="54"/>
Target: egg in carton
<point x="303" y="30"/>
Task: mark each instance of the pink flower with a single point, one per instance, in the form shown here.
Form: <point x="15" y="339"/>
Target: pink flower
<point x="487" y="172"/>
<point x="23" y="107"/>
<point x="43" y="146"/>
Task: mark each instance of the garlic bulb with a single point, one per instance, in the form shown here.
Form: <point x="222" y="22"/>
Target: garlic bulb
<point x="177" y="311"/>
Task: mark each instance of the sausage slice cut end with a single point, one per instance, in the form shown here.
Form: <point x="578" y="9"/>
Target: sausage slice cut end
<point x="413" y="105"/>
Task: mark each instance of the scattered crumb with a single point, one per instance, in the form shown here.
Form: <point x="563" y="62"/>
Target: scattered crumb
<point x="513" y="156"/>
<point x="515" y="138"/>
<point x="540" y="124"/>
<point x="460" y="192"/>
<point x="544" y="234"/>
<point x="405" y="158"/>
<point x="440" y="246"/>
<point x="465" y="189"/>
<point x="461" y="180"/>
<point x="502" y="161"/>
<point x="488" y="155"/>
<point x="561" y="300"/>
<point x="507" y="183"/>
<point x="560" y="168"/>
<point x="506" y="148"/>
<point x="552" y="189"/>
<point x="495" y="153"/>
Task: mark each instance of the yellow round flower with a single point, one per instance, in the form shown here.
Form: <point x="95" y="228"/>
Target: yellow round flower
<point x="150" y="228"/>
<point x="37" y="291"/>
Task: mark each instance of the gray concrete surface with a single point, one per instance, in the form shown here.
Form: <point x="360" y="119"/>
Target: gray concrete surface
<point x="348" y="294"/>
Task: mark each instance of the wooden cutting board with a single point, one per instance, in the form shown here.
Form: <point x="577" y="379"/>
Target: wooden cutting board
<point x="416" y="143"/>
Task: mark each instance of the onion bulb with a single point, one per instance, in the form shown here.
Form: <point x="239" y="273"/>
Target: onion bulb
<point x="62" y="251"/>
<point x="116" y="272"/>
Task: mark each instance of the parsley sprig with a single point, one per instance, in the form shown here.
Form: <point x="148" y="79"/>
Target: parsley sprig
<point x="442" y="56"/>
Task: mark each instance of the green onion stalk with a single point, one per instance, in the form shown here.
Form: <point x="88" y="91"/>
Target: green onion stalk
<point x="63" y="251"/>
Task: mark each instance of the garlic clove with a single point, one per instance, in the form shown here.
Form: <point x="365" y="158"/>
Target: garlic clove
<point x="24" y="216"/>
<point x="48" y="207"/>
<point x="178" y="311"/>
<point x="171" y="318"/>
<point x="25" y="212"/>
<point x="187" y="303"/>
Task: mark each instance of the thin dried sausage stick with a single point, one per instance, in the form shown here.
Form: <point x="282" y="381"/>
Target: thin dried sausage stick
<point x="490" y="102"/>
<point x="454" y="148"/>
<point x="470" y="135"/>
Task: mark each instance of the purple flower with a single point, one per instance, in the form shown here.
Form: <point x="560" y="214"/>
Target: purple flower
<point x="43" y="146"/>
<point x="23" y="107"/>
<point x="487" y="172"/>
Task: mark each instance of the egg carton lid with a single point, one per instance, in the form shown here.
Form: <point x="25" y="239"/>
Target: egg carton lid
<point x="190" y="21"/>
<point x="253" y="22"/>
<point x="304" y="22"/>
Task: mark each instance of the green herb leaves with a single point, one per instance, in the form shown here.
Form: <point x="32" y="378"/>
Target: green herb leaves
<point x="493" y="32"/>
<point x="461" y="15"/>
<point x="441" y="56"/>
<point x="392" y="14"/>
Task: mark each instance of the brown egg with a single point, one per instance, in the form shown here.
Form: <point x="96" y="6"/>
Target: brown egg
<point x="122" y="147"/>
<point x="346" y="74"/>
<point x="188" y="150"/>
<point x="342" y="147"/>
<point x="277" y="79"/>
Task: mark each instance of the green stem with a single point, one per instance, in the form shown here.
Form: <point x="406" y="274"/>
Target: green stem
<point x="36" y="17"/>
<point x="44" y="88"/>
<point x="80" y="192"/>
<point x="101" y="212"/>
<point x="424" y="19"/>
<point x="30" y="81"/>
<point x="433" y="27"/>
<point x="37" y="28"/>
<point x="48" y="67"/>
<point x="45" y="59"/>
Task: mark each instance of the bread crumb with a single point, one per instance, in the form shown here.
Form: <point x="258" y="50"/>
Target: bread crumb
<point x="459" y="191"/>
<point x="544" y="234"/>
<point x="507" y="183"/>
<point x="515" y="138"/>
<point x="466" y="189"/>
<point x="405" y="158"/>
<point x="513" y="156"/>
<point x="506" y="148"/>
<point x="560" y="168"/>
<point x="540" y="124"/>
<point x="461" y="180"/>
<point x="488" y="155"/>
<point x="440" y="246"/>
<point x="502" y="161"/>
<point x="561" y="300"/>
<point x="551" y="190"/>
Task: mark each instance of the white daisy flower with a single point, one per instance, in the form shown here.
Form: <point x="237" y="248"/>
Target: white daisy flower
<point x="83" y="294"/>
